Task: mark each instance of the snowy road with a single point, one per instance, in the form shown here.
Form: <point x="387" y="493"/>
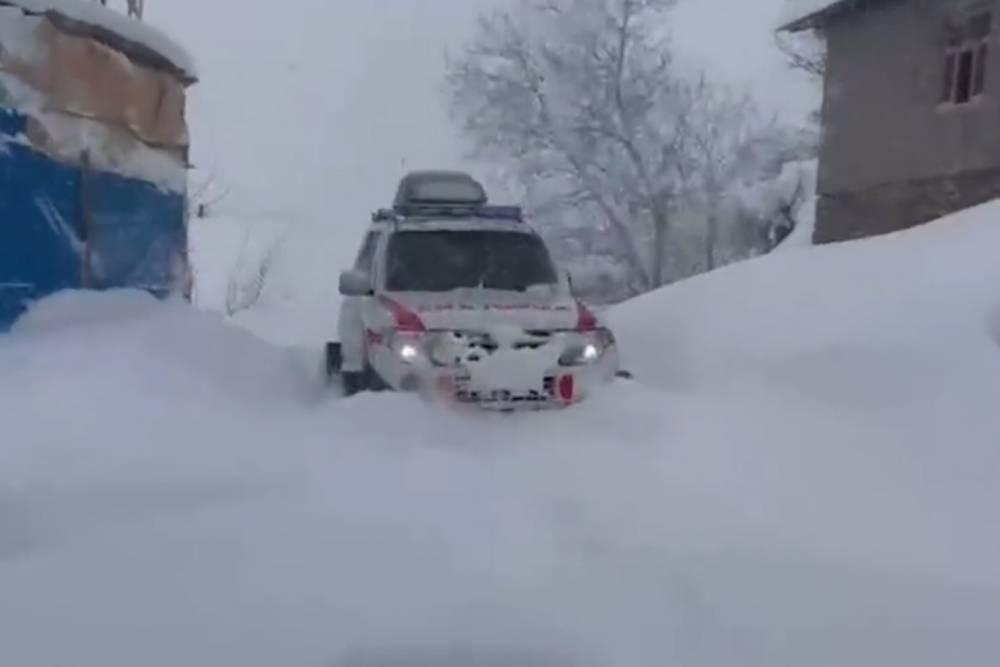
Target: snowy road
<point x="805" y="475"/>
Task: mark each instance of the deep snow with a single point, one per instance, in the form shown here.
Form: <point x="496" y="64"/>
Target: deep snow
<point x="805" y="474"/>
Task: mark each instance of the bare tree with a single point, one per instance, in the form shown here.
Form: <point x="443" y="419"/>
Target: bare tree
<point x="805" y="52"/>
<point x="579" y="95"/>
<point x="249" y="277"/>
<point x="729" y="144"/>
<point x="206" y="194"/>
<point x="581" y="100"/>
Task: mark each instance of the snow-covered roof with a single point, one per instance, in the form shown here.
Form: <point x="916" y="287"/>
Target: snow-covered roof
<point x="135" y="39"/>
<point x="811" y="14"/>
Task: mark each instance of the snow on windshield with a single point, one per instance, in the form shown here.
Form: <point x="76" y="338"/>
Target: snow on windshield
<point x="441" y="261"/>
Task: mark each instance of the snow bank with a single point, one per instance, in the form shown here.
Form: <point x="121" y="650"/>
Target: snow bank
<point x="891" y="292"/>
<point x="274" y="276"/>
<point x="804" y="474"/>
<point x="94" y="14"/>
<point x="872" y="365"/>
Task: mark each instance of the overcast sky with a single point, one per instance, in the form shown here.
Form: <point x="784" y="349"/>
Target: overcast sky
<point x="312" y="108"/>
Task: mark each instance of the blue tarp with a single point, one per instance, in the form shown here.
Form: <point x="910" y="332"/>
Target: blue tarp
<point x="132" y="237"/>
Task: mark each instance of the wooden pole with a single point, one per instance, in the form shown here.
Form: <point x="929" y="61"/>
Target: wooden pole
<point x="86" y="221"/>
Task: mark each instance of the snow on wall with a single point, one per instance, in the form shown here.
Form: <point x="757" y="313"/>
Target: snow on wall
<point x="107" y="112"/>
<point x="66" y="137"/>
<point x="93" y="14"/>
<point x="17" y="34"/>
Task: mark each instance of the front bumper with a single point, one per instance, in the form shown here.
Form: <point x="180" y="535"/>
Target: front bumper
<point x="509" y="379"/>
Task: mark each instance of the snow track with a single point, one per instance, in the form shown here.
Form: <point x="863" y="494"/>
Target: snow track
<point x="805" y="474"/>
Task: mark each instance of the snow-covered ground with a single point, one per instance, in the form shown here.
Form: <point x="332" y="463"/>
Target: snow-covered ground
<point x="273" y="277"/>
<point x="804" y="474"/>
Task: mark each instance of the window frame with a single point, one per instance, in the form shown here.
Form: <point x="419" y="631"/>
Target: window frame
<point x="965" y="62"/>
<point x="365" y="259"/>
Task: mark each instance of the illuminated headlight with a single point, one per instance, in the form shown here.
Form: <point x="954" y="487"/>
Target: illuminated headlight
<point x="408" y="347"/>
<point x="436" y="348"/>
<point x="408" y="352"/>
<point x="589" y="349"/>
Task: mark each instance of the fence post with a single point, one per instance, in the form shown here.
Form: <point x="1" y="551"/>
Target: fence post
<point x="86" y="220"/>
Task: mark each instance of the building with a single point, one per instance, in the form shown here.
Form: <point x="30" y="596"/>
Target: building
<point x="93" y="152"/>
<point x="910" y="113"/>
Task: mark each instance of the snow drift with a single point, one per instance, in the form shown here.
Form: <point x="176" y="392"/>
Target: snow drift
<point x="804" y="474"/>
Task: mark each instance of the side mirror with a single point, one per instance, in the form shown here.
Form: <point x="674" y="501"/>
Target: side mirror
<point x="355" y="283"/>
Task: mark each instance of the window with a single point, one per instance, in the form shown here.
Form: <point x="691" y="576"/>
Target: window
<point x="966" y="56"/>
<point x="367" y="254"/>
<point x="963" y="79"/>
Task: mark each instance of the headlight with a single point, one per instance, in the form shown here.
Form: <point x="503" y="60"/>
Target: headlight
<point x="407" y="346"/>
<point x="588" y="349"/>
<point x="408" y="352"/>
<point x="437" y="348"/>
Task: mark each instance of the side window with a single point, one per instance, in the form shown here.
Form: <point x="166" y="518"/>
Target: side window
<point x="366" y="257"/>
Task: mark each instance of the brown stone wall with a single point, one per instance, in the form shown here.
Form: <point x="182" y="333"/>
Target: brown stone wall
<point x="893" y="207"/>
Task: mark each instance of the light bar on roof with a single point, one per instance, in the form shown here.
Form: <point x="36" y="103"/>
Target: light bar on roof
<point x="428" y="212"/>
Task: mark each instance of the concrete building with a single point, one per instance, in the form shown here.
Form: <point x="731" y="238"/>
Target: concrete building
<point x="911" y="112"/>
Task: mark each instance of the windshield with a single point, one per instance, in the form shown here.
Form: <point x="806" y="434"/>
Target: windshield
<point x="441" y="261"/>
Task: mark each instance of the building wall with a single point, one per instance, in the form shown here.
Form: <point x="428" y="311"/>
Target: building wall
<point x="892" y="156"/>
<point x="883" y="121"/>
<point x="891" y="207"/>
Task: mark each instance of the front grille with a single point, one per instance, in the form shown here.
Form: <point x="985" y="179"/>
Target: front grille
<point x="482" y="341"/>
<point x="475" y="341"/>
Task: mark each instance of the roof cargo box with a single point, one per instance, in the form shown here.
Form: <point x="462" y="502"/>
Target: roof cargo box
<point x="430" y="188"/>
